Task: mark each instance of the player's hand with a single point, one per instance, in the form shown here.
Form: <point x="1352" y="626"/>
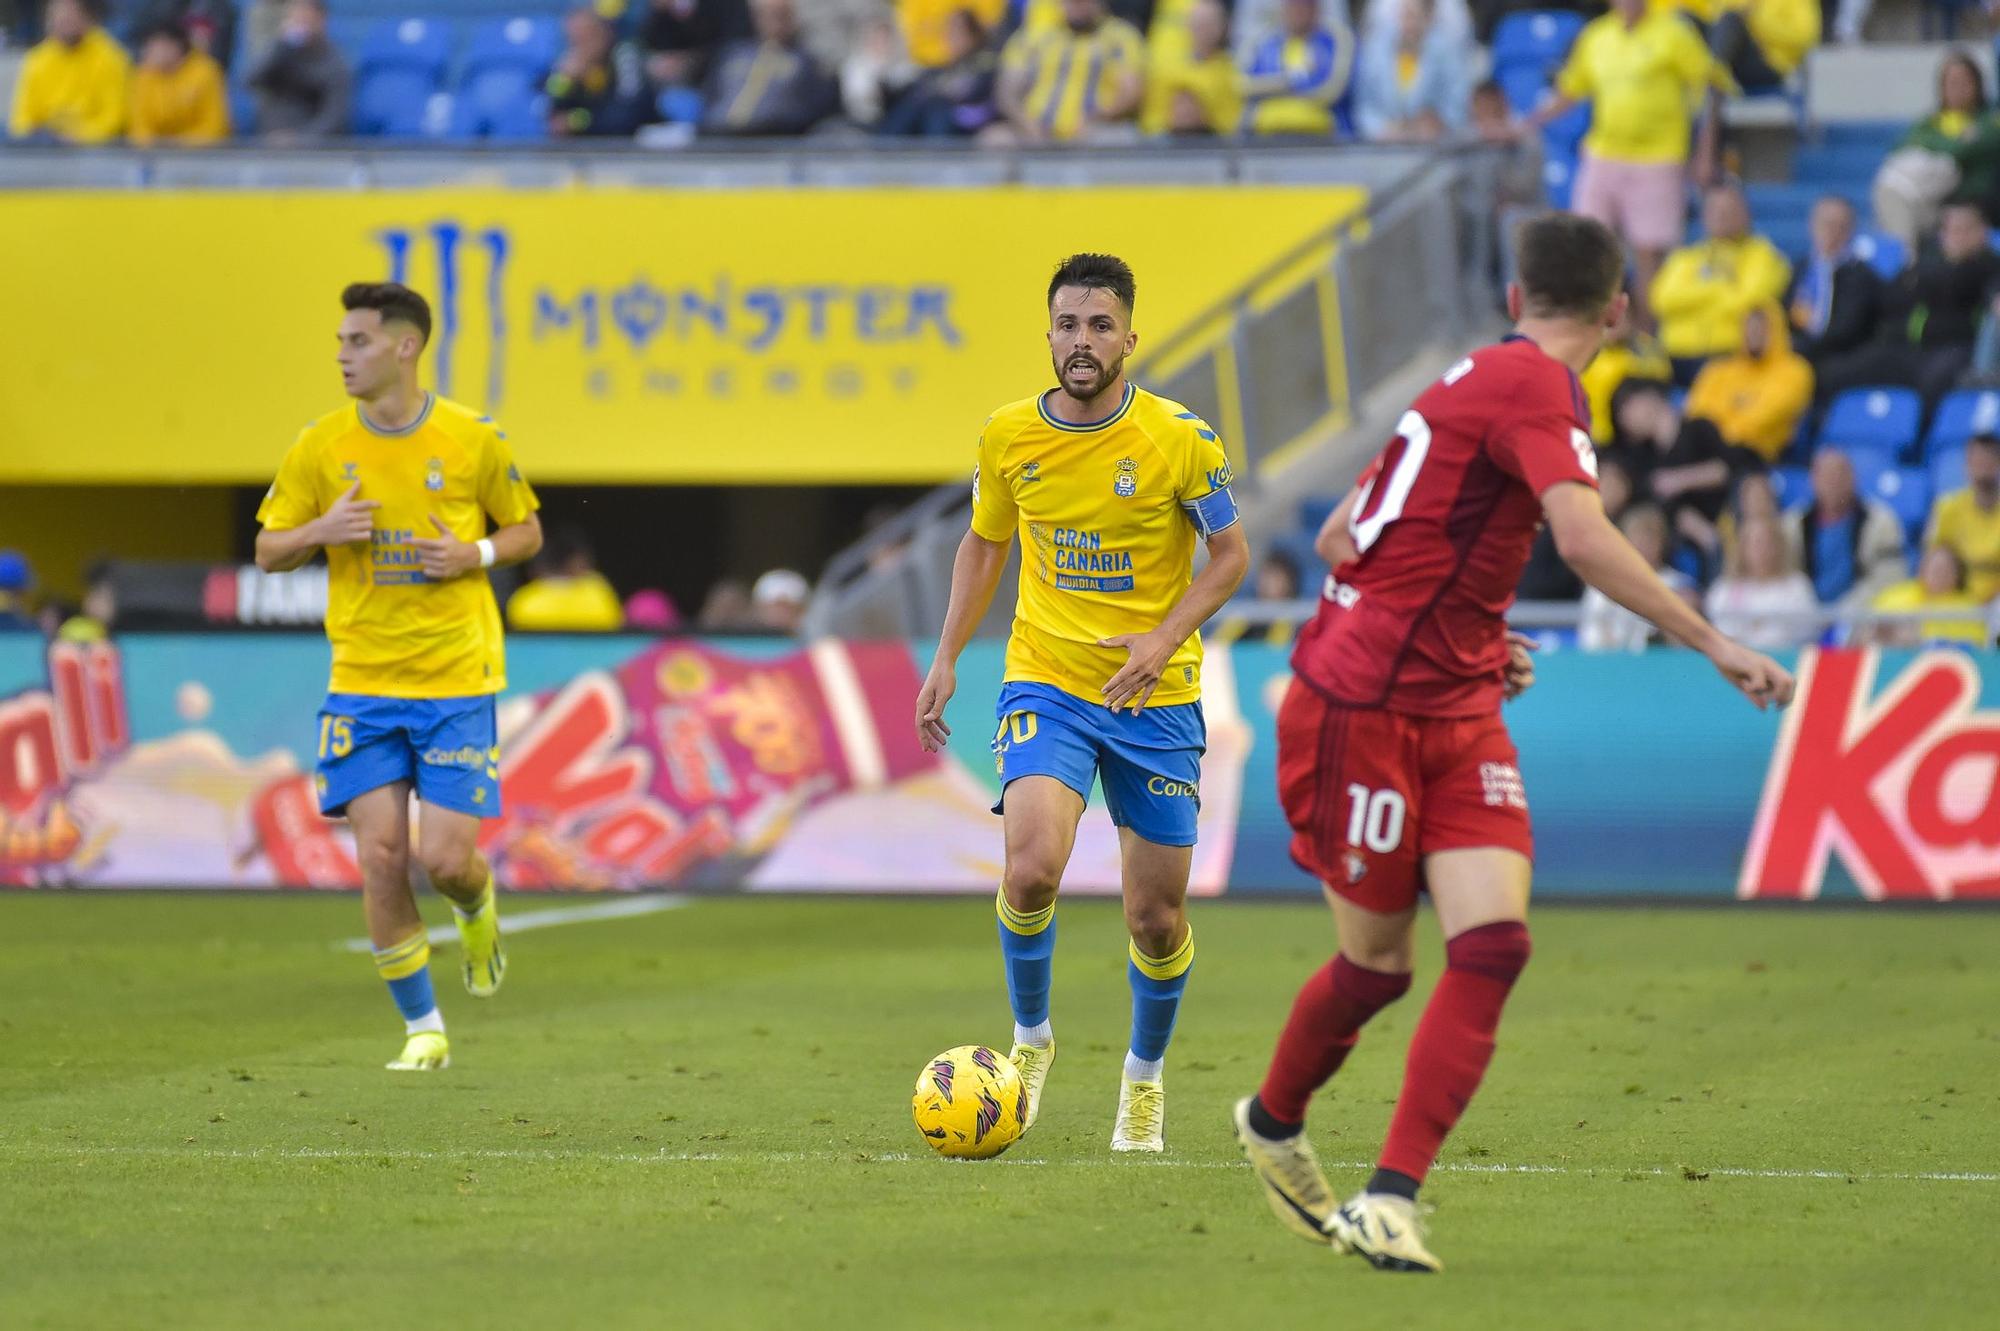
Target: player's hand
<point x="444" y="556"/>
<point x="348" y="519"/>
<point x="1759" y="678"/>
<point x="1135" y="681"/>
<point x="938" y="687"/>
<point x="1520" y="675"/>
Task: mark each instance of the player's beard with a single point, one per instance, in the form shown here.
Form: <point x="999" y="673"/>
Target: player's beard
<point x="1105" y="376"/>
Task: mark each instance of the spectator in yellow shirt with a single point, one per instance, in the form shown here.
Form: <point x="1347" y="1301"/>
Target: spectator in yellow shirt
<point x="1939" y="585"/>
<point x="1646" y="76"/>
<point x="1201" y="93"/>
<point x="1071" y="82"/>
<point x="1757" y="395"/>
<point x="926" y="26"/>
<point x="565" y="593"/>
<point x="1703" y="290"/>
<point x="1760" y="42"/>
<point x="1628" y="353"/>
<point x="177" y="93"/>
<point x="1967" y="522"/>
<point x="73" y="84"/>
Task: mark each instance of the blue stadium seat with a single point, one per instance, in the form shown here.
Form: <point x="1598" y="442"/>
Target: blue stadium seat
<point x="1907" y="490"/>
<point x="1540" y="38"/>
<point x="1298" y="545"/>
<point x="1948" y="470"/>
<point x="1559" y="180"/>
<point x="1313" y="512"/>
<point x="1678" y="396"/>
<point x="1523" y="85"/>
<point x="530" y="45"/>
<point x="410" y="45"/>
<point x="1564" y="134"/>
<point x="391" y="103"/>
<point x="1792" y="486"/>
<point x="1886" y="418"/>
<point x="1881" y="251"/>
<point x="1871" y="466"/>
<point x="500" y="102"/>
<point x="1961" y="415"/>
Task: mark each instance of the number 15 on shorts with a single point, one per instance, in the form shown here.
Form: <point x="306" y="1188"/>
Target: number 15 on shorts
<point x="1375" y="819"/>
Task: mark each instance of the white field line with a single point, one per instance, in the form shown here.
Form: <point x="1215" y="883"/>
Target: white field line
<point x="665" y="1157"/>
<point x="619" y="909"/>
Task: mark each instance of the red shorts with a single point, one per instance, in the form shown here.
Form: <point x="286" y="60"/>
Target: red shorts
<point x="1369" y="793"/>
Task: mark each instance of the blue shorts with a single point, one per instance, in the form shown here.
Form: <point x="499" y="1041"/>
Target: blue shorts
<point x="445" y="746"/>
<point x="1150" y="763"/>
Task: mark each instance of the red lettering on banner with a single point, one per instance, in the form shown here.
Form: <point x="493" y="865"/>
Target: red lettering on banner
<point x="568" y="760"/>
<point x="300" y="844"/>
<point x="1905" y="786"/>
<point x="29" y="764"/>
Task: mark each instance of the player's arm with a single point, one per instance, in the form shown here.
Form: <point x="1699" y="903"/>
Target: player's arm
<point x="1602" y="557"/>
<point x="975" y="576"/>
<point x="1228" y="561"/>
<point x="288" y="540"/>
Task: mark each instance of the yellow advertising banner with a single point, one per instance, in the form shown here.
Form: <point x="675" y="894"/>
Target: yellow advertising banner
<point x="752" y="336"/>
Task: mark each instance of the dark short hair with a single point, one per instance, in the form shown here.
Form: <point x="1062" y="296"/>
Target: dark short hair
<point x="1637" y="388"/>
<point x="168" y="29"/>
<point x="1096" y="272"/>
<point x="391" y="300"/>
<point x="1568" y="266"/>
<point x="1489" y="88"/>
<point x="1985" y="439"/>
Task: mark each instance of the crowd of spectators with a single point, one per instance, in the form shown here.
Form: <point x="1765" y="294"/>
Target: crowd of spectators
<point x="1002" y="72"/>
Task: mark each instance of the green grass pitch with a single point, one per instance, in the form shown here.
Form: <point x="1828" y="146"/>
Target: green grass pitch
<point x="1722" y="1118"/>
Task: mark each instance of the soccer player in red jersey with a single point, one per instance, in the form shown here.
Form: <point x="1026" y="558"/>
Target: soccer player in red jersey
<point x="1394" y="768"/>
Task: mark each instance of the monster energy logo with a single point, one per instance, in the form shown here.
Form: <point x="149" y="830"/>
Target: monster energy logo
<point x="449" y="241"/>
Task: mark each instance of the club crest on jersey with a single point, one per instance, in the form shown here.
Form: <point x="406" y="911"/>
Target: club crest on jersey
<point x="434" y="476"/>
<point x="1127" y="483"/>
<point x="1357" y="868"/>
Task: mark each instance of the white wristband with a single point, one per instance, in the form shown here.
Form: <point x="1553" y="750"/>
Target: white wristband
<point x="485" y="552"/>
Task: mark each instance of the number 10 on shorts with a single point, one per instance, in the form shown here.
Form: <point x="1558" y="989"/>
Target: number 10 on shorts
<point x="1375" y="819"/>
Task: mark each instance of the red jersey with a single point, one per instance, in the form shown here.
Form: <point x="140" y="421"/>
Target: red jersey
<point x="1444" y="522"/>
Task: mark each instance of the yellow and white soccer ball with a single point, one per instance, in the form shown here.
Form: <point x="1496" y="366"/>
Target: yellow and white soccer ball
<point x="970" y="1102"/>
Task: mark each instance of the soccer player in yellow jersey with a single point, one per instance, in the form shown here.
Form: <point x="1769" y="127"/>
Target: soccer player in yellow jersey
<point x="398" y="487"/>
<point x="1109" y="488"/>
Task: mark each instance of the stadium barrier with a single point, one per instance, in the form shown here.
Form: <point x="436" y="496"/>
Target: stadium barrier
<point x="766" y="765"/>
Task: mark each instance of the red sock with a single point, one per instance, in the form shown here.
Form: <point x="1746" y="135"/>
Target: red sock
<point x="1326" y="1019"/>
<point x="1453" y="1043"/>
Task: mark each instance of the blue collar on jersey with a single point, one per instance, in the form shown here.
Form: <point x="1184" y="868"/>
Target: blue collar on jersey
<point x="430" y="400"/>
<point x="1042" y="406"/>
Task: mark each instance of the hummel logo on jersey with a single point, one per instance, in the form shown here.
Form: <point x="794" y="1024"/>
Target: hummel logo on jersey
<point x="347" y="470"/>
<point x="1127" y="483"/>
<point x="1030" y="472"/>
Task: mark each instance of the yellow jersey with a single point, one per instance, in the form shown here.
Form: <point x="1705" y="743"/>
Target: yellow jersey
<point x="395" y="633"/>
<point x="1072" y="76"/>
<point x="1973" y="533"/>
<point x="1644" y="84"/>
<point x="1108" y="513"/>
<point x="76" y="93"/>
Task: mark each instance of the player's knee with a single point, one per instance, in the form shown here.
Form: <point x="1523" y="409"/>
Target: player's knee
<point x="385" y="862"/>
<point x="1499" y="951"/>
<point x="1153" y="925"/>
<point x="445" y="863"/>
<point x="1031" y="880"/>
<point x="1397" y="958"/>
